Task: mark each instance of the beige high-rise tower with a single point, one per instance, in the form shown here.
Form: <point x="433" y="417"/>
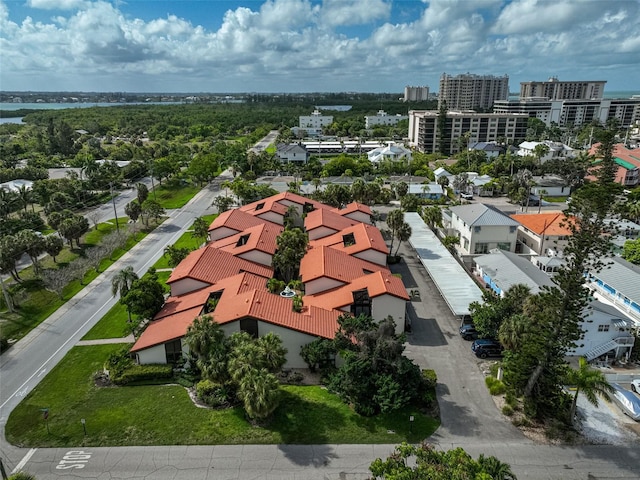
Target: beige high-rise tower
<point x="472" y="92"/>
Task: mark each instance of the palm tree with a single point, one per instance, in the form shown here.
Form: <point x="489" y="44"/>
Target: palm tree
<point x="206" y="341"/>
<point x="260" y="394"/>
<point x="25" y="195"/>
<point x="403" y="234"/>
<point x="432" y="216"/>
<point x="496" y="469"/>
<point x="512" y="331"/>
<point x="122" y="282"/>
<point x="590" y="382"/>
<point x="541" y="193"/>
<point x="200" y="229"/>
<point x="272" y="352"/>
<point x="7" y="201"/>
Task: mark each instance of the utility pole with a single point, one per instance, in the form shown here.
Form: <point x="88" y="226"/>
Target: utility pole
<point x="115" y="212"/>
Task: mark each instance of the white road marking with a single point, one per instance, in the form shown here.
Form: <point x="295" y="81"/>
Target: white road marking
<point x="24" y="461"/>
<point x="42" y="372"/>
<point x="23" y="389"/>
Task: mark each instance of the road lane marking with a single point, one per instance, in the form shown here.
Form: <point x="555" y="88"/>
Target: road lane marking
<point x="24" y="461"/>
<point x="23" y="389"/>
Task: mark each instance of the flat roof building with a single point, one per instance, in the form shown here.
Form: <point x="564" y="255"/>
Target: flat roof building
<point x="425" y="134"/>
<point x="470" y="91"/>
<point x="554" y="89"/>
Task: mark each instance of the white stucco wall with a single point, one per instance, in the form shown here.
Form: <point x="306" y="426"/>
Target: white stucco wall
<point x="292" y="341"/>
<point x="373" y="256"/>
<point x="592" y="338"/>
<point x="257" y="256"/>
<point x="272" y="217"/>
<point x="154" y="354"/>
<point x="320" y="232"/>
<point x="321" y="284"/>
<point x="360" y="217"/>
<point x="221" y="232"/>
<point x="388" y="305"/>
<point x="185" y="285"/>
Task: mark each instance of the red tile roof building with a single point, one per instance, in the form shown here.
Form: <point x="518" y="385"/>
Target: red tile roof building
<point x="628" y="162"/>
<point x="342" y="272"/>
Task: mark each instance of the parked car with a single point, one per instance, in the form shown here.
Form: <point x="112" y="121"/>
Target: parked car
<point x="627" y="401"/>
<point x="468" y="331"/>
<point x="534" y="201"/>
<point x="466" y="196"/>
<point x="635" y="385"/>
<point x="485" y="347"/>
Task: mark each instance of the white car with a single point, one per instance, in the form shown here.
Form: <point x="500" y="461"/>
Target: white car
<point x="635" y="385"/>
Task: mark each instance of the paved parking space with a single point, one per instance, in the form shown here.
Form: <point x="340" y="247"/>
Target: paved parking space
<point x="467" y="409"/>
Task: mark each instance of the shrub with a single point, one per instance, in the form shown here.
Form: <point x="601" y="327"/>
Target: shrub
<point x="4" y="344"/>
<point x="511" y="400"/>
<point x="496" y="387"/>
<point x="139" y="373"/>
<point x="214" y="394"/>
<point x="507" y="410"/>
<point x="22" y="476"/>
<point x="430" y="378"/>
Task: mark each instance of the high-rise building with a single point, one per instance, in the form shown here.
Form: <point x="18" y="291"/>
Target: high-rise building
<point x="416" y="94"/>
<point x="554" y="89"/>
<point x="472" y="92"/>
<point x="429" y="135"/>
<point x="626" y="111"/>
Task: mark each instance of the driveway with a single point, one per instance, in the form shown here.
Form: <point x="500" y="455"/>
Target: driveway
<point x="467" y="410"/>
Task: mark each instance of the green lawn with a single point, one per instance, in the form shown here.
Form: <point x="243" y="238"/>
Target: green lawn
<point x="185" y="240"/>
<point x="170" y="196"/>
<point x="112" y="325"/>
<point x="165" y="415"/>
<point x="36" y="304"/>
<point x="554" y="199"/>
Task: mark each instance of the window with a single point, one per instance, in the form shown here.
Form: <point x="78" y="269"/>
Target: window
<point x="212" y="302"/>
<point x="173" y="351"/>
<point x="603" y="328"/>
<point x="512" y="229"/>
<point x="504" y="246"/>
<point x="349" y="239"/>
<point x="260" y="206"/>
<point x="361" y="303"/>
<point x="477" y="229"/>
<point x="249" y="325"/>
<point x="243" y="240"/>
<point x="481" y="248"/>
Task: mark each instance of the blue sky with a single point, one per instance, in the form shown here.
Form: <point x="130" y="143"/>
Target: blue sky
<point x="311" y="45"/>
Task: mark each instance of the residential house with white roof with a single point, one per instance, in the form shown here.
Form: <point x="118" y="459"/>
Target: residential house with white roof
<point x="392" y="152"/>
<point x="481" y="228"/>
<point x="606" y="332"/>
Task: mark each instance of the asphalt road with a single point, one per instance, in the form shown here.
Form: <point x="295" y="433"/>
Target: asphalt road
<point x="470" y="419"/>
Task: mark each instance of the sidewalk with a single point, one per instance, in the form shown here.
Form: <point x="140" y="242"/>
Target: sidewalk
<point x="107" y="341"/>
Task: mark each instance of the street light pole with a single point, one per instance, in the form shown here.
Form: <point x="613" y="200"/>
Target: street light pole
<point x="115" y="212"/>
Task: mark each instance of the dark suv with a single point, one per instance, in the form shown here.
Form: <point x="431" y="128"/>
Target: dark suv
<point x="468" y="331"/>
<point x="484" y="348"/>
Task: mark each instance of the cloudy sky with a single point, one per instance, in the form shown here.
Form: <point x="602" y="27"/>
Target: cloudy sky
<point x="311" y="45"/>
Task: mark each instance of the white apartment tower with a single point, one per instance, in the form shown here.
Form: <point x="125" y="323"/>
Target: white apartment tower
<point x="472" y="92"/>
<point x="416" y="94"/>
<point x="554" y="89"/>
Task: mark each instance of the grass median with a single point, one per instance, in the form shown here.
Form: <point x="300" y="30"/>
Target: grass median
<point x="35" y="303"/>
<point x="165" y="415"/>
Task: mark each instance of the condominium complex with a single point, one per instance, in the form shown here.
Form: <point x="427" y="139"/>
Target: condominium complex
<point x="425" y="134"/>
<point x="382" y="118"/>
<point x="574" y="112"/>
<point x="312" y="125"/>
<point x="472" y="92"/>
<point x="416" y="94"/>
<point x="553" y="89"/>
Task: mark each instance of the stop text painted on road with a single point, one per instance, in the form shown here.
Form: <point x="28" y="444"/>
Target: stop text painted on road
<point x="73" y="459"/>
